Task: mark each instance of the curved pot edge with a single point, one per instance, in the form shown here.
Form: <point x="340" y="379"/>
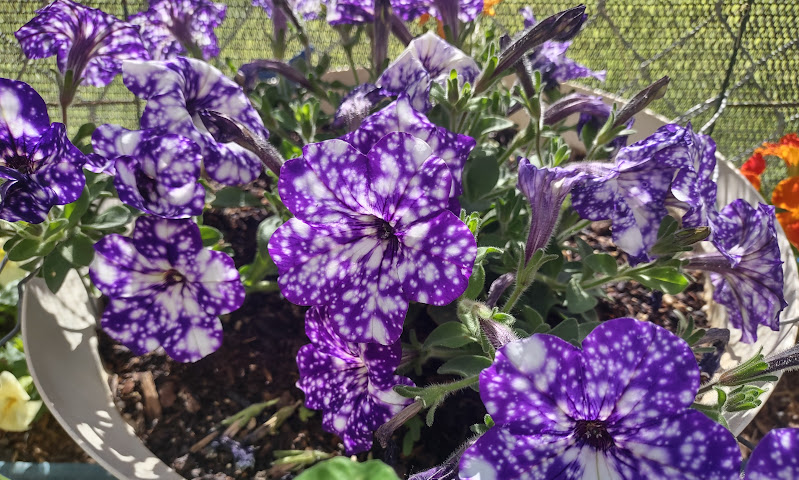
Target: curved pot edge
<point x="60" y="340"/>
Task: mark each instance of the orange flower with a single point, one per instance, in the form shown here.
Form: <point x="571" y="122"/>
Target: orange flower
<point x="787" y="149"/>
<point x="488" y="7"/>
<point x="426" y="18"/>
<point x="753" y="168"/>
<point x="786" y="197"/>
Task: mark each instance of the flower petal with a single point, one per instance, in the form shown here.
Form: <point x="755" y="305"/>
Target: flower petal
<point x="636" y="372"/>
<point x="775" y="456"/>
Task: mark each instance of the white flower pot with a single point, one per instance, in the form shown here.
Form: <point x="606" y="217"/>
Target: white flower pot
<point x="61" y="346"/>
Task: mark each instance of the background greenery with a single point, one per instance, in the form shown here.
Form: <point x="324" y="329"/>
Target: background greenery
<point x="753" y="87"/>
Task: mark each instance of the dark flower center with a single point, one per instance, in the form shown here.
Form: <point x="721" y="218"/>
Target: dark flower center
<point x="594" y="433"/>
<point x="19" y="163"/>
<point x="384" y="230"/>
<point x="172" y="276"/>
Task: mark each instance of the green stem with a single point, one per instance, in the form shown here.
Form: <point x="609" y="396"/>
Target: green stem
<point x="625" y="272"/>
<point x="517" y="142"/>
<point x="569" y="231"/>
<point x="447" y="388"/>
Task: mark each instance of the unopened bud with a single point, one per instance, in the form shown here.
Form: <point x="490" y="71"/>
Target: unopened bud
<point x="639" y="102"/>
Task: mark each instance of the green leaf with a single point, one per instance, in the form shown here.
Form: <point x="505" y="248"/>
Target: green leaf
<point x="28" y="248"/>
<point x="577" y="299"/>
<point x="54" y="270"/>
<point x="116" y="216"/>
<point x="78" y="250"/>
<point x="602" y="263"/>
<point x="9" y="294"/>
<point x="490" y="124"/>
<point x="480" y="174"/>
<point x="235" y="197"/>
<point x="210" y="235"/>
<point x="85" y="131"/>
<point x="476" y="283"/>
<point x="450" y="334"/>
<point x="465" y="365"/>
<point x="665" y="279"/>
<point x="567" y="330"/>
<point x="414" y="433"/>
<point x="342" y="468"/>
<point x="584" y="329"/>
<point x="265" y="230"/>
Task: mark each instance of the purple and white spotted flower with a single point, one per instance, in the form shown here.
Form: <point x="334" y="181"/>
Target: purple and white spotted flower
<point x="775" y="457"/>
<point x="39" y="167"/>
<point x="618" y="408"/>
<point x="371" y="233"/>
<point x="400" y="116"/>
<point x="545" y="189"/>
<point x="632" y="191"/>
<point x="87" y="41"/>
<point x="352" y="383"/>
<point x="409" y="10"/>
<point x="747" y="271"/>
<point x="175" y="27"/>
<point x="165" y="289"/>
<point x="306" y="9"/>
<point x="156" y="173"/>
<point x="427" y="59"/>
<point x="550" y="59"/>
<point x="177" y="91"/>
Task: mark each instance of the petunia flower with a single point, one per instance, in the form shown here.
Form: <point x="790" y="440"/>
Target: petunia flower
<point x="306" y="9"/>
<point x="775" y="457"/>
<point x="632" y="191"/>
<point x="176" y="27"/>
<point x="177" y="91"/>
<point x="545" y="189"/>
<point x="618" y="408"/>
<point x="38" y="164"/>
<point x="17" y="410"/>
<point x="86" y="41"/>
<point x="693" y="187"/>
<point x="400" y="116"/>
<point x="747" y="272"/>
<point x="371" y="233"/>
<point x="465" y="10"/>
<point x="352" y="383"/>
<point x="156" y="173"/>
<point x="165" y="289"/>
<point x="550" y="59"/>
<point x="427" y="59"/>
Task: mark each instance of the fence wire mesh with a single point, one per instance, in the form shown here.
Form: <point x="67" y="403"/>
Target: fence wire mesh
<point x="734" y="64"/>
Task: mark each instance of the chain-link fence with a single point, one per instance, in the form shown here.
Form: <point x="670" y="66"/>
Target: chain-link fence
<point x="734" y="64"/>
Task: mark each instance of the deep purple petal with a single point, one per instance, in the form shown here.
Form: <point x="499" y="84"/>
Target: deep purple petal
<point x="686" y="445"/>
<point x="775" y="456"/>
<point x="400" y="116"/>
<point x="171" y="25"/>
<point x="436" y="259"/>
<point x="161" y="179"/>
<point x="174" y="241"/>
<point x="534" y="385"/>
<point x="635" y="372"/>
<point x="502" y="454"/>
<point x="352" y="383"/>
<point x="26" y="200"/>
<point x="177" y="90"/>
<point x="86" y="40"/>
<point x="23" y="116"/>
<point x="747" y="271"/>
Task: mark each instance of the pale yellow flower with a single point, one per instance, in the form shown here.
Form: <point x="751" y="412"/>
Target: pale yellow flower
<point x="17" y="410"/>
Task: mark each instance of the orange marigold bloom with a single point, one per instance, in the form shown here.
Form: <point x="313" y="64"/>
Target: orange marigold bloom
<point x="787" y="149"/>
<point x="426" y="18"/>
<point x="753" y="168"/>
<point x="488" y="7"/>
<point x="786" y="197"/>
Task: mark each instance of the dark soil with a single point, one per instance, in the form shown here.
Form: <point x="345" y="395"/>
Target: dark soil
<point x="46" y="441"/>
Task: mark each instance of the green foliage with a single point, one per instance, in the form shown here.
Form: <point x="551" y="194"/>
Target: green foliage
<point x="342" y="468"/>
